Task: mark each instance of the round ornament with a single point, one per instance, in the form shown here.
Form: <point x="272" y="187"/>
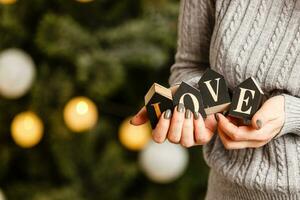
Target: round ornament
<point x="163" y="163"/>
<point x="17" y="72"/>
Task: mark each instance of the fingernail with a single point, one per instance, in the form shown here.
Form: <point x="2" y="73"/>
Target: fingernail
<point x="188" y="114"/>
<point x="168" y="114"/>
<point x="259" y="123"/>
<point x="217" y="117"/>
<point x="196" y="115"/>
<point x="180" y="107"/>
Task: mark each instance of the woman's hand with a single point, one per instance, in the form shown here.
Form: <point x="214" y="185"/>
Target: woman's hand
<point x="183" y="126"/>
<point x="141" y="117"/>
<point x="265" y="125"/>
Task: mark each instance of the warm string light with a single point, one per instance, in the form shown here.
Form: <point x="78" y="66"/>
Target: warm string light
<point x="80" y="114"/>
<point x="27" y="129"/>
<point x="8" y="1"/>
<point x="134" y="137"/>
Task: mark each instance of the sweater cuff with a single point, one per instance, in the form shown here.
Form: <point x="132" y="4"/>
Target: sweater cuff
<point x="292" y="115"/>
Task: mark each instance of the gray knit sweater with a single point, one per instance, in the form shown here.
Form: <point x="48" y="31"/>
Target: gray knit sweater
<point x="239" y="39"/>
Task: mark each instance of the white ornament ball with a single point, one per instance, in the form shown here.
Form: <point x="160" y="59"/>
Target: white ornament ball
<point x="17" y="72"/>
<point x="163" y="163"/>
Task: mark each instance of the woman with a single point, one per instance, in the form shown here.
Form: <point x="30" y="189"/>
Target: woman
<point x="239" y="39"/>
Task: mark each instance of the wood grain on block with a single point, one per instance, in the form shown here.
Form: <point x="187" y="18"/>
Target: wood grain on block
<point x="246" y="100"/>
<point x="190" y="97"/>
<point x="157" y="100"/>
<point x="214" y="91"/>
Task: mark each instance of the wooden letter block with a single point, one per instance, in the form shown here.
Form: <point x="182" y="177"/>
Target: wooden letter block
<point x="214" y="92"/>
<point x="157" y="100"/>
<point x="246" y="100"/>
<point x="190" y="97"/>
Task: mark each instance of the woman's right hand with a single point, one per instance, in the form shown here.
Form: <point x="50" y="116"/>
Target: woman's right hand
<point x="184" y="127"/>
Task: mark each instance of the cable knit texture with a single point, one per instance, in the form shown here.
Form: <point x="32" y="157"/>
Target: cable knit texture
<point x="239" y="39"/>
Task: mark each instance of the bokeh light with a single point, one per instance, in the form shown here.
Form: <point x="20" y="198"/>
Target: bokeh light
<point x="80" y="114"/>
<point x="27" y="129"/>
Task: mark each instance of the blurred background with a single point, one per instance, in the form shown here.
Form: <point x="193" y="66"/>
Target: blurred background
<point x="72" y="72"/>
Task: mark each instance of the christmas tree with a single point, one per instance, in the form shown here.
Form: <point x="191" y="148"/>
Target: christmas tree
<point x="111" y="52"/>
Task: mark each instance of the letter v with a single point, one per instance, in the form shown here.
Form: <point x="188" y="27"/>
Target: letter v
<point x="211" y="90"/>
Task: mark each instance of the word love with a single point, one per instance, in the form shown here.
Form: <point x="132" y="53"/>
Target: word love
<point x="212" y="97"/>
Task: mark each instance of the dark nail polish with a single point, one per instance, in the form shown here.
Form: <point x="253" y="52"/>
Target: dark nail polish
<point x="196" y="115"/>
<point x="180" y="108"/>
<point x="168" y="114"/>
<point x="259" y="123"/>
<point x="217" y="117"/>
<point x="188" y="114"/>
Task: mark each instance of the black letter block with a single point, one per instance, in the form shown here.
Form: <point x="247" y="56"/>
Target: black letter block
<point x="214" y="92"/>
<point x="246" y="100"/>
<point x="190" y="97"/>
<point x="157" y="100"/>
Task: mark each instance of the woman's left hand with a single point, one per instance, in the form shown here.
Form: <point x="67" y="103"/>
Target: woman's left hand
<point x="265" y="125"/>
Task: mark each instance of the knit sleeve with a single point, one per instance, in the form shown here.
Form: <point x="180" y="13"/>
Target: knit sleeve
<point x="292" y="115"/>
<point x="195" y="27"/>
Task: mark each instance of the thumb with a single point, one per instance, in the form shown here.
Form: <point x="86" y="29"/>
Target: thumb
<point x="140" y="118"/>
<point x="263" y="115"/>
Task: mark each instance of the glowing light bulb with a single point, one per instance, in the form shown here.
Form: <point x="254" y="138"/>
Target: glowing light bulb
<point x="27" y="129"/>
<point x="8" y="1"/>
<point x="80" y="114"/>
<point x="134" y="137"/>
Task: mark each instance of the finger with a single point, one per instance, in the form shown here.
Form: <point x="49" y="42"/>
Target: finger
<point x="230" y="144"/>
<point x="187" y="136"/>
<point x="140" y="118"/>
<point x="268" y="112"/>
<point x="159" y="134"/>
<point x="211" y="123"/>
<point x="202" y="133"/>
<point x="240" y="133"/>
<point x="175" y="129"/>
<point x="199" y="127"/>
